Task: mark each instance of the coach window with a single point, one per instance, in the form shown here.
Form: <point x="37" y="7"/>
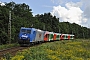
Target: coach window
<point x="51" y="35"/>
<point x="66" y="36"/>
<point x="63" y="36"/>
<point x="57" y="36"/>
<point x="71" y="36"/>
<point x="60" y="36"/>
<point x="46" y="35"/>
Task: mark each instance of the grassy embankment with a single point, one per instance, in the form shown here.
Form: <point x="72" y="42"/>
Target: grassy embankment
<point x="8" y="46"/>
<point x="58" y="50"/>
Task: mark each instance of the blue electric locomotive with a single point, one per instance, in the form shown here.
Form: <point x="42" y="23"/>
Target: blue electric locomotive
<point x="26" y="35"/>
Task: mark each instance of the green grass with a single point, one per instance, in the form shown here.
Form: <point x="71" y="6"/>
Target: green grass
<point x="8" y="46"/>
<point x="59" y="50"/>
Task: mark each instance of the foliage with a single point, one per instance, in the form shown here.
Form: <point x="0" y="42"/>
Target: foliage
<point x="77" y="30"/>
<point x="21" y="16"/>
<point x="50" y="22"/>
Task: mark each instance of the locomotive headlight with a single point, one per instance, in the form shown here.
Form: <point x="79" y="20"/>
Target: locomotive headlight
<point x="25" y="36"/>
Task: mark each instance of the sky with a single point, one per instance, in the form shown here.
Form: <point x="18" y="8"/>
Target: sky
<point x="73" y="11"/>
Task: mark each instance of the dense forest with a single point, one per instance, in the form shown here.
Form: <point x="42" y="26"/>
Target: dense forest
<point x="21" y="16"/>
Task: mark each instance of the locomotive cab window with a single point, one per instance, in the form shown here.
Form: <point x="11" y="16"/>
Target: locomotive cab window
<point x="23" y="30"/>
<point x="29" y="31"/>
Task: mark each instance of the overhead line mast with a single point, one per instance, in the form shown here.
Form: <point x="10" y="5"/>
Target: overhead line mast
<point x="9" y="27"/>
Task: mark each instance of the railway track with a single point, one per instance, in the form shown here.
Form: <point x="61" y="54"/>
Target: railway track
<point x="12" y="50"/>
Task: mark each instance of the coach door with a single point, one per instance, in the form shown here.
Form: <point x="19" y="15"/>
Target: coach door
<point x="54" y="37"/>
<point x="46" y="37"/>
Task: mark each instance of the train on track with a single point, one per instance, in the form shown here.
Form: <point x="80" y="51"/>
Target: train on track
<point x="28" y="36"/>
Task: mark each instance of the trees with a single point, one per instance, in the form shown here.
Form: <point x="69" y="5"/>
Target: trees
<point x="77" y="30"/>
<point x="21" y="16"/>
<point x="3" y="25"/>
<point x="50" y="22"/>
